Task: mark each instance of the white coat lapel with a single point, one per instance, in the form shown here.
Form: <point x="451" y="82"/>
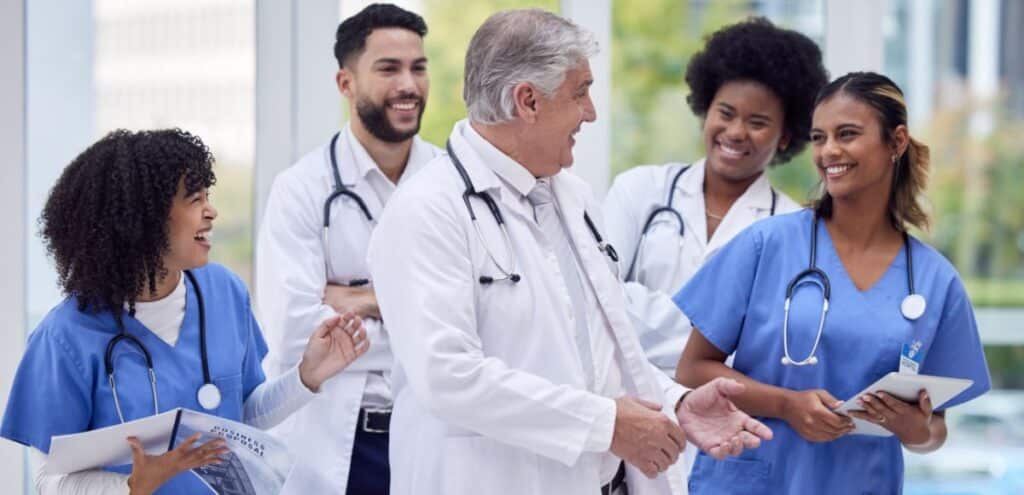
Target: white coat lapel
<point x="485" y="179"/>
<point x="607" y="287"/>
<point x="753" y="204"/>
<point x="689" y="200"/>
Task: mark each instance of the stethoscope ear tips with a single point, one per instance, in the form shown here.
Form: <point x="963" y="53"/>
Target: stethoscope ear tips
<point x="486" y="280"/>
<point x="786" y="361"/>
<point x="514" y="277"/>
<point x="813" y="360"/>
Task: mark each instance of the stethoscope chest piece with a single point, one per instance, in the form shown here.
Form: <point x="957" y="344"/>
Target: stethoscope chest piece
<point x="913" y="306"/>
<point x="209" y="396"/>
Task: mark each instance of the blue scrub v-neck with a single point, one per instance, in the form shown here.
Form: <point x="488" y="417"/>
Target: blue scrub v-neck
<point x="736" y="302"/>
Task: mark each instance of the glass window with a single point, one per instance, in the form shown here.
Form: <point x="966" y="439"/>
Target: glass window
<point x="959" y="64"/>
<point x="189" y="65"/>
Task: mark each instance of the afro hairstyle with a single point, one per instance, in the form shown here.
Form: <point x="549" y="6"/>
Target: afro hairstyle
<point x="785" y="61"/>
<point x="106" y="221"/>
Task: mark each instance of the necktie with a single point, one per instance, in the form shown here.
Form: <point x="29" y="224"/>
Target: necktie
<point x="545" y="212"/>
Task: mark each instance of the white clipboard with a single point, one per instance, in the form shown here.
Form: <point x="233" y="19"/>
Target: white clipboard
<point x="904" y="386"/>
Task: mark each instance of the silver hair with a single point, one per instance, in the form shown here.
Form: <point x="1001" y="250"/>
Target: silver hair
<point x="516" y="46"/>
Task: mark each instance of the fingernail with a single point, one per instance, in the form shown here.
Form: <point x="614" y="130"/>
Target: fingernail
<point x="866" y="398"/>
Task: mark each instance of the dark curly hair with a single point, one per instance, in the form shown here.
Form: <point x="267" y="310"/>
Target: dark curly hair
<point x="106" y="221"/>
<point x="350" y="39"/>
<point x="786" y="62"/>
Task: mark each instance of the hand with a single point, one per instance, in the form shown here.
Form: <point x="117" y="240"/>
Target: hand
<point x="910" y="422"/>
<point x="811" y="414"/>
<point x="359" y="300"/>
<point x="714" y="424"/>
<point x="644" y="437"/>
<point x="337" y="342"/>
<point x="150" y="472"/>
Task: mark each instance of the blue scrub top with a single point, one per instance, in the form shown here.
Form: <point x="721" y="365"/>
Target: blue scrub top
<point x="61" y="385"/>
<point x="736" y="302"/>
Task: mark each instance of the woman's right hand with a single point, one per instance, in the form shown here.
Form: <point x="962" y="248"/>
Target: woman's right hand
<point x="811" y="414"/>
<point x="150" y="472"/>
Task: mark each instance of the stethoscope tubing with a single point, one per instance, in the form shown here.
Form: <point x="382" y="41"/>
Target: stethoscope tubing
<point x="509" y="273"/>
<point x="814" y="275"/>
<point x="123" y="335"/>
<point x="668" y="208"/>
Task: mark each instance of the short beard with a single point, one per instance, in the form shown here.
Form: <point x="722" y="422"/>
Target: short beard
<point x="375" y="120"/>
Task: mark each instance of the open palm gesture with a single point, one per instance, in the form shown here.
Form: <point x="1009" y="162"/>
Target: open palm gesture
<point x="337" y="342"/>
<point x="715" y="425"/>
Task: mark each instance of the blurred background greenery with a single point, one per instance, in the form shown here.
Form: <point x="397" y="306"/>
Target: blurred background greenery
<point x="976" y="177"/>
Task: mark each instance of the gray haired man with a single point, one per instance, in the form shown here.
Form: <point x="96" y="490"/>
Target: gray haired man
<point x="516" y="367"/>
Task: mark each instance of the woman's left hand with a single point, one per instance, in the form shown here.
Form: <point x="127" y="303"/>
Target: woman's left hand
<point x="337" y="342"/>
<point x="909" y="422"/>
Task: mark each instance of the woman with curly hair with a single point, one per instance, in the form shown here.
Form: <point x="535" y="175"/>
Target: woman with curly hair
<point x="753" y="87"/>
<point x="819" y="304"/>
<point x="148" y="324"/>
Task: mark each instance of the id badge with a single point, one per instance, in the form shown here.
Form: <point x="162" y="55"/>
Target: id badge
<point x="910" y="358"/>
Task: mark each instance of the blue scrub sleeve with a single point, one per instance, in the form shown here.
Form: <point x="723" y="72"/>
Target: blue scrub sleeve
<point x="956" y="350"/>
<point x="717" y="297"/>
<point x="255" y="351"/>
<point x="49" y="396"/>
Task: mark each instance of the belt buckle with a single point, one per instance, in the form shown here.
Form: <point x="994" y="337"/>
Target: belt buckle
<point x="366" y="420"/>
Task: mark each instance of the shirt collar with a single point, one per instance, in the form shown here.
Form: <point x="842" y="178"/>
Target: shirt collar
<point x="419" y="155"/>
<point x="757" y="195"/>
<point x="364" y="164"/>
<point x="509" y="170"/>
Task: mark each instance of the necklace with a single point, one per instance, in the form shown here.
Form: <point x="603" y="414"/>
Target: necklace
<point x="712" y="215"/>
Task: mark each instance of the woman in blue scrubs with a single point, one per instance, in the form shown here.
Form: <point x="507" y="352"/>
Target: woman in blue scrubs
<point x="128" y="224"/>
<point x="872" y="174"/>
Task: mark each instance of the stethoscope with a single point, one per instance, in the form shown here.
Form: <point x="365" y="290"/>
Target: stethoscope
<point x="509" y="273"/>
<point x="208" y="394"/>
<point x="678" y="219"/>
<point x="912" y="307"/>
<point x="340" y="189"/>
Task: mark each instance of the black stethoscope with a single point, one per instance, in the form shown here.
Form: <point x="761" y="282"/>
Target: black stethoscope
<point x="340" y="189"/>
<point x="208" y="394"/>
<point x="510" y="272"/>
<point x="912" y="307"/>
<point x="678" y="218"/>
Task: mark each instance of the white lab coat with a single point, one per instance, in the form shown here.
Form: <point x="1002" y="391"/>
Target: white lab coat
<point x="662" y="328"/>
<point x="290" y="280"/>
<point x="490" y="394"/>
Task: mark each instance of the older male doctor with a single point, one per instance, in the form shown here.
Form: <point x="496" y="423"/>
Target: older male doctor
<point x="516" y="367"/>
<point x="311" y="255"/>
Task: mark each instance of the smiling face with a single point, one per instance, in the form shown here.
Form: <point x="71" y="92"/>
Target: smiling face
<point x="557" y="120"/>
<point x="189" y="229"/>
<point x="850" y="151"/>
<point x="743" y="130"/>
<point x="387" y="84"/>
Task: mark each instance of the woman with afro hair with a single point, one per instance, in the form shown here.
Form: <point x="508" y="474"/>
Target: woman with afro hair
<point x="128" y="225"/>
<point x="817" y="305"/>
<point x="753" y="87"/>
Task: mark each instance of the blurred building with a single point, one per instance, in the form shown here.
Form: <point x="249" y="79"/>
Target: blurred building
<point x="178" y="63"/>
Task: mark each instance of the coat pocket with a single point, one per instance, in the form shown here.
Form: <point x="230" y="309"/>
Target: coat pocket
<point x="728" y="476"/>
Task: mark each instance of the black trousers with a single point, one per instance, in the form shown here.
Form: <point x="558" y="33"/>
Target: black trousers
<point x="369" y="472"/>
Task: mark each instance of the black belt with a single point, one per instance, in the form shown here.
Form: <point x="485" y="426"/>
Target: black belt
<point x="374" y="420"/>
<point x="618" y="481"/>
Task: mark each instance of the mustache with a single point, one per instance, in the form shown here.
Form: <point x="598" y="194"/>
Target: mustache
<point x="405" y="97"/>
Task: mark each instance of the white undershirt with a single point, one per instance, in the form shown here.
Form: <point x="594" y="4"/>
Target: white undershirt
<point x="267" y="405"/>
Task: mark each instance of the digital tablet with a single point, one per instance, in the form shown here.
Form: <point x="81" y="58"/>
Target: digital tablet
<point x="904" y="386"/>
